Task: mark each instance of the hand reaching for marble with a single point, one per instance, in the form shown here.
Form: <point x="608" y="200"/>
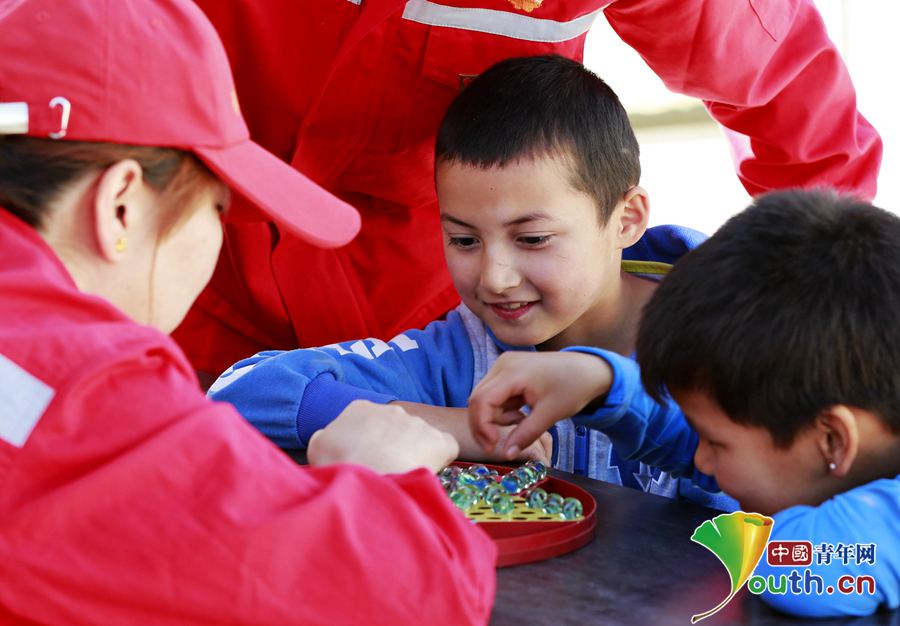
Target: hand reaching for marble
<point x="541" y="449"/>
<point x="455" y="421"/>
<point x="382" y="437"/>
<point x="555" y="385"/>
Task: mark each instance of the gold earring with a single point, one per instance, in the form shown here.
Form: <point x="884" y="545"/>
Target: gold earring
<point x="121" y="244"/>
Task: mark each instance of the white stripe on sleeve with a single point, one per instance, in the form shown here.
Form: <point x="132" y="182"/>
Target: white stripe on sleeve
<point x="23" y="400"/>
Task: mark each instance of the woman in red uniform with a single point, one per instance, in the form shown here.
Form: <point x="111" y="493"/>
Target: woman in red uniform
<point x="126" y="496"/>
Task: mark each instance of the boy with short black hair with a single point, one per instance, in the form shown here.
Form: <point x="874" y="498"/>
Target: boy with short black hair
<point x="546" y="240"/>
<point x="779" y="340"/>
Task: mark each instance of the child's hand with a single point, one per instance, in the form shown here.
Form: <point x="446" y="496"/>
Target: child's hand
<point x="384" y="438"/>
<point x="455" y="421"/>
<point x="555" y="385"/>
<point x="540" y="450"/>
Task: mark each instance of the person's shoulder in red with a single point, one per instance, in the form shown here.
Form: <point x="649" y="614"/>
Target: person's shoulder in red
<point x="130" y="497"/>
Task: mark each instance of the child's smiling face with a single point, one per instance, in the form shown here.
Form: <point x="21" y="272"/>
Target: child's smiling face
<point x="526" y="251"/>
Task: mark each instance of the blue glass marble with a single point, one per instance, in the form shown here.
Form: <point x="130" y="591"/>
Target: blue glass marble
<point x="511" y="483"/>
<point x="536" y="498"/>
<point x="539" y="469"/>
<point x="478" y="470"/>
<point x="502" y="504"/>
<point x="451" y="471"/>
<point x="571" y="508"/>
<point x="553" y="505"/>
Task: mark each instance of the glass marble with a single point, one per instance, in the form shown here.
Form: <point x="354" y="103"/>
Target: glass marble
<point x="467" y="479"/>
<point x="571" y="508"/>
<point x="478" y="470"/>
<point x="511" y="483"/>
<point x="553" y="505"/>
<point x="502" y="504"/>
<point x="526" y="476"/>
<point x="451" y="472"/>
<point x="491" y="491"/>
<point x="538" y="468"/>
<point x="464" y="497"/>
<point x="536" y="498"/>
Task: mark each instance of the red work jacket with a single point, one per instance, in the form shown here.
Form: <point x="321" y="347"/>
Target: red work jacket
<point x="128" y="497"/>
<point x="352" y="94"/>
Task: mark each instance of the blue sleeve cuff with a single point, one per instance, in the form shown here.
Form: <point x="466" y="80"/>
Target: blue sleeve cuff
<point x="639" y="427"/>
<point x="618" y="398"/>
<point x="324" y="399"/>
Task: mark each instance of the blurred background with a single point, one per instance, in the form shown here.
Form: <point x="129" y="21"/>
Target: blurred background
<point x="686" y="161"/>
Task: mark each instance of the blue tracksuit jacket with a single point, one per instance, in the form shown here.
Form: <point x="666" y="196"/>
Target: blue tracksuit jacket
<point x="289" y="395"/>
<point x="867" y="516"/>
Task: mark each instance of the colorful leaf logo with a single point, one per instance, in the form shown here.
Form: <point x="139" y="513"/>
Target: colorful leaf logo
<point x="738" y="540"/>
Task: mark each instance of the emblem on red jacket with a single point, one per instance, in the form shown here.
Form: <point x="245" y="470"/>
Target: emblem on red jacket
<point x="526" y="5"/>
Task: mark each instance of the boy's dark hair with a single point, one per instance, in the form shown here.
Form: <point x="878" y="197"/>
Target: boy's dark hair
<point x="791" y="307"/>
<point x="535" y="106"/>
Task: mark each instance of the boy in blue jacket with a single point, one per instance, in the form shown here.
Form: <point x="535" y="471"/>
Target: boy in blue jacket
<point x="546" y="240"/>
<point x="779" y="339"/>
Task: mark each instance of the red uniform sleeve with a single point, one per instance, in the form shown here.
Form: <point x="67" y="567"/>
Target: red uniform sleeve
<point x="139" y="501"/>
<point x="767" y="71"/>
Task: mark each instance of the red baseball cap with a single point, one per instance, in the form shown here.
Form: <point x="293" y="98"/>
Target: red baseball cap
<point x="153" y="73"/>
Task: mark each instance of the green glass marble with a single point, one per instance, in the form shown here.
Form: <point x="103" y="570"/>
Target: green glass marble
<point x="502" y="504"/>
<point x="527" y="476"/>
<point x="571" y="508"/>
<point x="464" y="497"/>
<point x="553" y="505"/>
<point x="492" y="490"/>
<point x="536" y="498"/>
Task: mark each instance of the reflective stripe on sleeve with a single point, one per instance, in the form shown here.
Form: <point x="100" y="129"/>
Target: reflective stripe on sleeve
<point x="498" y="22"/>
<point x="23" y="400"/>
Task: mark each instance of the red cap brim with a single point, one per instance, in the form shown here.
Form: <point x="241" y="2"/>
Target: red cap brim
<point x="291" y="199"/>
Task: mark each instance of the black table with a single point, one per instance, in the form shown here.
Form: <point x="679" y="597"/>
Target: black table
<point x="641" y="569"/>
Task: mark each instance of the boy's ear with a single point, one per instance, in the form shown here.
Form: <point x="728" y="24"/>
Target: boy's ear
<point x="837" y="438"/>
<point x="634" y="216"/>
<point x="115" y="207"/>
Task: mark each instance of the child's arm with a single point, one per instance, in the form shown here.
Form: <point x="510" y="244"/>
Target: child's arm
<point x="559" y="385"/>
<point x="290" y="395"/>
<point x="455" y="421"/>
<point x="867" y="516"/>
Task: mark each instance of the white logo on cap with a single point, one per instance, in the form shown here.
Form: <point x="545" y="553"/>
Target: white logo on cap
<point x="64" y="120"/>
